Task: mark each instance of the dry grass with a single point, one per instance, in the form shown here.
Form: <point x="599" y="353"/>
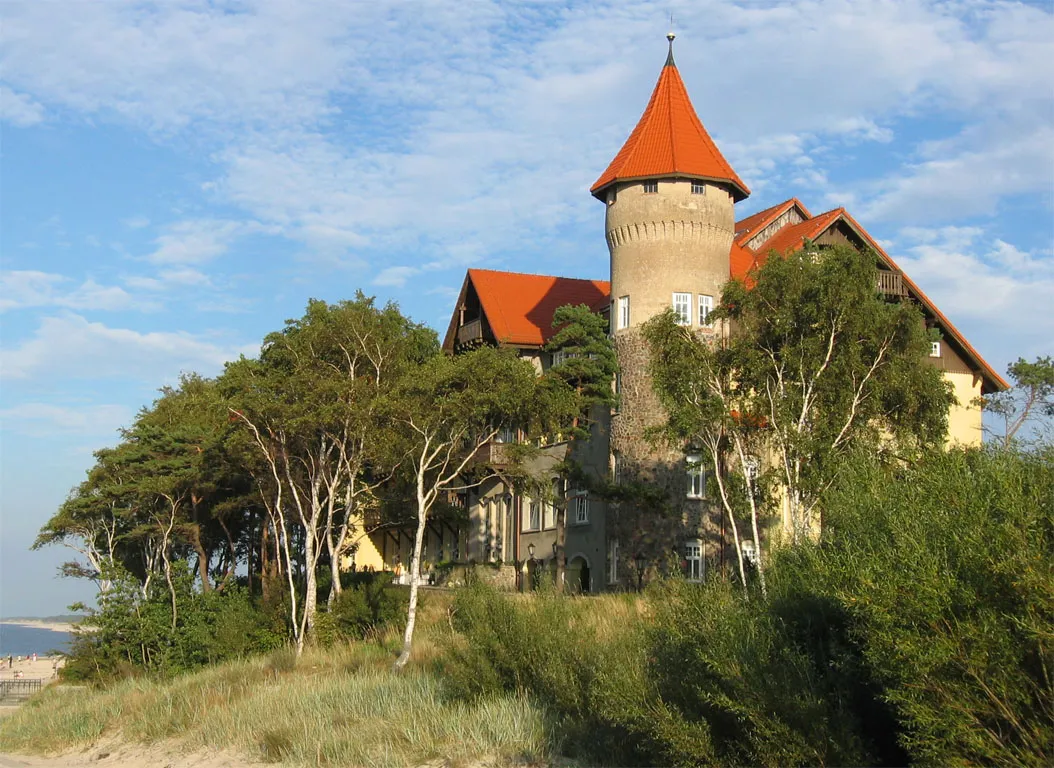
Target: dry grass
<point x="337" y="706"/>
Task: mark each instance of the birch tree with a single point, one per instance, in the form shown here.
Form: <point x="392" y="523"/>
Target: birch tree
<point x="814" y="363"/>
<point x="309" y="408"/>
<point x="444" y="416"/>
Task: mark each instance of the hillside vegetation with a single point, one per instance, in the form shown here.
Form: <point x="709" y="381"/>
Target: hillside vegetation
<point x="918" y="632"/>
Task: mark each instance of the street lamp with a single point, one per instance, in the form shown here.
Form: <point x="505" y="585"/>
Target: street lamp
<point x="530" y="551"/>
<point x="639" y="561"/>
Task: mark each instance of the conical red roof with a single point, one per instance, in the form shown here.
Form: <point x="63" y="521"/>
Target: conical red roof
<point x="670" y="140"/>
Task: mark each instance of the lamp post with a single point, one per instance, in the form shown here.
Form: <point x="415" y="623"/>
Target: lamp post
<point x="640" y="562"/>
<point x="532" y="567"/>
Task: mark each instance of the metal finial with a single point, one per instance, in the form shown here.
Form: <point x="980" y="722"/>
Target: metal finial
<point x="669" y="57"/>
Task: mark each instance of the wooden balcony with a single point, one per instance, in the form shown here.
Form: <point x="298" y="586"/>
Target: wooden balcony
<point x="493" y="453"/>
<point x="891" y="283"/>
<point x="471" y="332"/>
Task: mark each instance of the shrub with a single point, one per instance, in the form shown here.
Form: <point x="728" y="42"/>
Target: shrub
<point x="946" y="574"/>
<point x="368" y="605"/>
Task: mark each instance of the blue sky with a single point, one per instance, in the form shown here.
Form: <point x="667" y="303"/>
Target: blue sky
<point x="178" y="178"/>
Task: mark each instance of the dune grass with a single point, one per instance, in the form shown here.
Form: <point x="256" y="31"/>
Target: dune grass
<point x="335" y="706"/>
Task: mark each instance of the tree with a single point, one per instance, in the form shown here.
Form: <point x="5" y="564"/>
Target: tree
<point x="1028" y="403"/>
<point x="444" y="415"/>
<point x="309" y="405"/>
<point x="813" y="362"/>
<point x="584" y="360"/>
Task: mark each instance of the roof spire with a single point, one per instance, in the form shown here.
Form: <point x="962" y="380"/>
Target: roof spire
<point x="670" y="36"/>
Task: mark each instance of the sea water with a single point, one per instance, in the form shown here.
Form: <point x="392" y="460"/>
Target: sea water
<point x="16" y="640"/>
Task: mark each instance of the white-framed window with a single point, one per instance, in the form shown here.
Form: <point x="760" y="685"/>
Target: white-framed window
<point x="682" y="308"/>
<point x="508" y="435"/>
<point x="698" y="188"/>
<point x="706" y="306"/>
<point x="612" y="561"/>
<point x="580" y="508"/>
<point x="693" y="555"/>
<point x="651" y="187"/>
<point x="558" y="357"/>
<point x="549" y="512"/>
<point x="696" y="477"/>
<point x="616" y="468"/>
<point x="623" y="312"/>
<point x="752" y="467"/>
<point x="534" y="516"/>
<point x="935" y="349"/>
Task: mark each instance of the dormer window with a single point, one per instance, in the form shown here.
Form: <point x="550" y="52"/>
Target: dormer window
<point x="651" y="187"/>
<point x="698" y="188"/>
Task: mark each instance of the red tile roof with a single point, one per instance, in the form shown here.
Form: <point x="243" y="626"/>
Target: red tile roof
<point x="758" y="221"/>
<point x="791" y="237"/>
<point x="670" y="140"/>
<point x="520" y="307"/>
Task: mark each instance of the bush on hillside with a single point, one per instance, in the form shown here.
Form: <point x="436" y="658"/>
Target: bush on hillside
<point x="130" y="634"/>
<point x="369" y="603"/>
<point x="919" y="630"/>
<point x="945" y="572"/>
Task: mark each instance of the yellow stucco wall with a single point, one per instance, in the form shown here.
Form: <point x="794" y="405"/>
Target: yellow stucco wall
<point x="964" y="419"/>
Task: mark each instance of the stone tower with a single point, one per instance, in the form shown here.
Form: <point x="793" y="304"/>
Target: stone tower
<point x="669" y="224"/>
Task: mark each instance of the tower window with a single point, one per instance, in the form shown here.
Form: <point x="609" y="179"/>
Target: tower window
<point x="612" y="195"/>
<point x="693" y="555"/>
<point x="696" y="477"/>
<point x="706" y="306"/>
<point x="612" y="561"/>
<point x="623" y="312"/>
<point x="651" y="187"/>
<point x="682" y="308"/>
<point x="580" y="507"/>
<point x="698" y="188"/>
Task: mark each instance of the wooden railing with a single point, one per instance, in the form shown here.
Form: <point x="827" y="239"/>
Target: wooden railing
<point x="19" y="690"/>
<point x="470" y="331"/>
<point x="891" y="283"/>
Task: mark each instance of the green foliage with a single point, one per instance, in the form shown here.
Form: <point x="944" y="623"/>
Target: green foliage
<point x="131" y="634"/>
<point x="582" y="666"/>
<point x="918" y="631"/>
<point x="945" y="570"/>
<point x="589" y="361"/>
<point x="368" y="606"/>
<point x="815" y="363"/>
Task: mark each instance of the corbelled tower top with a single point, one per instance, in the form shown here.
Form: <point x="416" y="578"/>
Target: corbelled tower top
<point x="670" y="142"/>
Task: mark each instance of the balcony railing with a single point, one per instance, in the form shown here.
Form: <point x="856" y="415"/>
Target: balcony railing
<point x="470" y="332"/>
<point x="891" y="283"/>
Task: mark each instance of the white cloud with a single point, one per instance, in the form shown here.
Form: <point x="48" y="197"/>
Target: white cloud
<point x="196" y="241"/>
<point x="458" y="129"/>
<point x="395" y="276"/>
<point x="966" y="176"/>
<point x="29" y="288"/>
<point x="70" y="346"/>
<point x="18" y="109"/>
<point x="999" y="295"/>
<point x="48" y="419"/>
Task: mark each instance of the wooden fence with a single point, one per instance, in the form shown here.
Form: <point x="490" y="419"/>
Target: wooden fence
<point x="19" y="690"/>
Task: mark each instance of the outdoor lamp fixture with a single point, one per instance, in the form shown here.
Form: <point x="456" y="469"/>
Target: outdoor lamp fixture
<point x="530" y="551"/>
<point x="640" y="562"/>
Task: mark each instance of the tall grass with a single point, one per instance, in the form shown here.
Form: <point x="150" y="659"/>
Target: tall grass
<point x="339" y="706"/>
<point x="334" y="706"/>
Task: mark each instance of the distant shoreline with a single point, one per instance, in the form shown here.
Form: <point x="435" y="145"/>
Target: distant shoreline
<point x="53" y="626"/>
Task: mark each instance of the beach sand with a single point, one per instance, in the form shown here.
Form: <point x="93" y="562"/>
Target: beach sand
<point x="44" y="668"/>
<point x="54" y="626"/>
